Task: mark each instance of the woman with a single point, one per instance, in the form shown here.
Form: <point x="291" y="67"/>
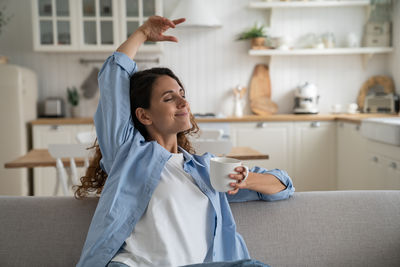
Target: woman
<point x="157" y="207"/>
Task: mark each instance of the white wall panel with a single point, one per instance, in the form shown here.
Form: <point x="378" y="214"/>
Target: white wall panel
<point x="211" y="63"/>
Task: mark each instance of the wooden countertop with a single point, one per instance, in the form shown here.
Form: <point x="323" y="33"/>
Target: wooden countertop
<point x="354" y="118"/>
<point x="42" y="158"/>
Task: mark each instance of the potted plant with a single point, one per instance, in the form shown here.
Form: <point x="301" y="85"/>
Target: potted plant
<point x="256" y="34"/>
<point x="73" y="100"/>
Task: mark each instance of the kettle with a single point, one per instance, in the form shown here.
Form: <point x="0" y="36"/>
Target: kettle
<point x="306" y="99"/>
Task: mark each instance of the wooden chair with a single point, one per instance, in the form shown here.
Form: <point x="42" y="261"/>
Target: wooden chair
<point x="212" y="141"/>
<point x="88" y="139"/>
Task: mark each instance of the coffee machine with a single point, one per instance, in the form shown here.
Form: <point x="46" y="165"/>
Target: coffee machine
<point x="306" y="99"/>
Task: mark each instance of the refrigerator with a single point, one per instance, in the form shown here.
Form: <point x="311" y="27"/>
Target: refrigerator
<point x="18" y="98"/>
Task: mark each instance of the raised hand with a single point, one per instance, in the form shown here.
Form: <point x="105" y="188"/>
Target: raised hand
<point x="155" y="26"/>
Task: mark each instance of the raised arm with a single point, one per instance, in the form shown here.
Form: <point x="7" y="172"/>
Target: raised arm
<point x="113" y="116"/>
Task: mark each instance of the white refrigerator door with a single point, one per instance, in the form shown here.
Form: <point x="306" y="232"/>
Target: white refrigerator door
<point x="18" y="98"/>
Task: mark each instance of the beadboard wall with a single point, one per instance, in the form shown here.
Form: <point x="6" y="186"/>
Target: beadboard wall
<point x="211" y="63"/>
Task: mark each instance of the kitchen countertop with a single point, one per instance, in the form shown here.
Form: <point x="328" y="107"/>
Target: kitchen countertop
<point x="354" y="118"/>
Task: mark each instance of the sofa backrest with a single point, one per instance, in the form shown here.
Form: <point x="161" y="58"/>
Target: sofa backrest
<point x="43" y="231"/>
<point x="331" y="228"/>
<point x="348" y="228"/>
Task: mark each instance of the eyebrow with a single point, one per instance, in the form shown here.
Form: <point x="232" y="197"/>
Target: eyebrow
<point x="171" y="91"/>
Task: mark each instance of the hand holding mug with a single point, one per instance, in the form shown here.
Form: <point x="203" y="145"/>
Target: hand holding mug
<point x="222" y="176"/>
<point x="240" y="179"/>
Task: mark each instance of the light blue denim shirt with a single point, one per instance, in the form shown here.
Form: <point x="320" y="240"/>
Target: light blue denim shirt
<point x="134" y="168"/>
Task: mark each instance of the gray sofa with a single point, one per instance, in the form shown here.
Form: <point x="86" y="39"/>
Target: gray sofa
<point x="334" y="228"/>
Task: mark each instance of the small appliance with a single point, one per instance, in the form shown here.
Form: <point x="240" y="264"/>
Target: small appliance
<point x="306" y="99"/>
<point x="381" y="103"/>
<point x="54" y="107"/>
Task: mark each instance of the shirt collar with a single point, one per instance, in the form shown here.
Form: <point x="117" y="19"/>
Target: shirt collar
<point x="189" y="157"/>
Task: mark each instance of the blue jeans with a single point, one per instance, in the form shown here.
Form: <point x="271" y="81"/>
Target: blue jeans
<point x="240" y="263"/>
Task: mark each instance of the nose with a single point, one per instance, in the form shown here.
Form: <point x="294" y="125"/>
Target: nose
<point x="182" y="102"/>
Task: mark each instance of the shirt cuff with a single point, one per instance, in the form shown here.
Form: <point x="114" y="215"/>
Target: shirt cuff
<point x="125" y="62"/>
<point x="284" y="178"/>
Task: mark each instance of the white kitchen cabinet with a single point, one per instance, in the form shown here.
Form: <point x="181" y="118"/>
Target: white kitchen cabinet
<point x="306" y="150"/>
<point x="314" y="165"/>
<point x="351" y="158"/>
<point x="89" y="25"/>
<point x="54" y="25"/>
<point x="44" y="179"/>
<point x="272" y="138"/>
<point x="365" y="164"/>
<point x="392" y="181"/>
<point x="383" y="166"/>
<point x="97" y="24"/>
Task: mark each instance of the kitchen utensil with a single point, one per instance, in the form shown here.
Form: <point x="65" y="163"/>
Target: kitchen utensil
<point x="352" y="108"/>
<point x="306" y="99"/>
<point x="337" y="108"/>
<point x="352" y="40"/>
<point x="329" y="40"/>
<point x="260" y="92"/>
<point x="239" y="92"/>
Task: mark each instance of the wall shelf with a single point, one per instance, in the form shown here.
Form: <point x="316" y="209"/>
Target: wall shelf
<point x="325" y="51"/>
<point x="278" y="4"/>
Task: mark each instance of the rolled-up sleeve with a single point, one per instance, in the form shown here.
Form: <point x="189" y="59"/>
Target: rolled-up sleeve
<point x="113" y="115"/>
<point x="250" y="195"/>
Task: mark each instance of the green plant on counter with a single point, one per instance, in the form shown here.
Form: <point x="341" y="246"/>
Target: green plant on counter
<point x="254" y="32"/>
<point x="73" y="96"/>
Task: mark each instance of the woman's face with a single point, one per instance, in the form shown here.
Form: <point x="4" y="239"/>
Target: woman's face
<point x="169" y="111"/>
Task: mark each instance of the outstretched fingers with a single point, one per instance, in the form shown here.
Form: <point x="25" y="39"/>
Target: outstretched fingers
<point x="178" y="21"/>
<point x="169" y="38"/>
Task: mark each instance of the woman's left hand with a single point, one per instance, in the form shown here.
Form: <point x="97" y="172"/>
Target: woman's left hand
<point x="238" y="182"/>
<point x="155" y="26"/>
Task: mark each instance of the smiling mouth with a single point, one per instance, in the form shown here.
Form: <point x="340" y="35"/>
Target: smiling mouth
<point x="182" y="114"/>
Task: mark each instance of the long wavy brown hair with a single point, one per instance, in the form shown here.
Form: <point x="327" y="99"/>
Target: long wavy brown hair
<point x="141" y="87"/>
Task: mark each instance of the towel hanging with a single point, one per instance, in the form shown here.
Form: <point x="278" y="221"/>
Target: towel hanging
<point x="90" y="85"/>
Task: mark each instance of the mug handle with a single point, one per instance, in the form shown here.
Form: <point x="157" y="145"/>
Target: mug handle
<point x="247" y="173"/>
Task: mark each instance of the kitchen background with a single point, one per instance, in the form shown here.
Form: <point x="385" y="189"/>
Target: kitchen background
<point x="211" y="63"/>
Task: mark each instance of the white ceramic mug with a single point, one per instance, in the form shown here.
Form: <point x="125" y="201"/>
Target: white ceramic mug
<point x="220" y="168"/>
<point x="352" y="108"/>
<point x="337" y="108"/>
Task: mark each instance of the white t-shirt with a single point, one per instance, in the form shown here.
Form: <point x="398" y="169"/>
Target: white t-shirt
<point x="174" y="229"/>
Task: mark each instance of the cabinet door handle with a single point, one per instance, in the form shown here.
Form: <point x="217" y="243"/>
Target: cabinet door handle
<point x="393" y="165"/>
<point x="315" y="124"/>
<point x="261" y="125"/>
<point x="54" y="127"/>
